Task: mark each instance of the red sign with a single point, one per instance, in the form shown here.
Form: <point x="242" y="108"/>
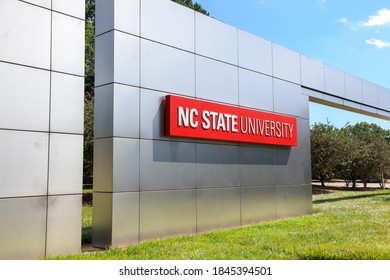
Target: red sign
<point x="187" y="117"/>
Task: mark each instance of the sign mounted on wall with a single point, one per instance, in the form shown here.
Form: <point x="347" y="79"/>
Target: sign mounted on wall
<point x="192" y="118"/>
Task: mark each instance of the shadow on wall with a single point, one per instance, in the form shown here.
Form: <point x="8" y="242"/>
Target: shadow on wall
<point x="183" y="150"/>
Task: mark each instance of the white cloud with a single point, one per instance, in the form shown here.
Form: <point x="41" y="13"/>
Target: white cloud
<point x="378" y="43"/>
<point x="382" y="18"/>
<point x="343" y="20"/>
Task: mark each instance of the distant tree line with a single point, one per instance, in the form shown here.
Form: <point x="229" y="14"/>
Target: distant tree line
<point x="352" y="153"/>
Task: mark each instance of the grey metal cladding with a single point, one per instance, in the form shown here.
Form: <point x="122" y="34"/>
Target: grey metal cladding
<point x="216" y="80"/>
<point x="167" y="213"/>
<point x="74" y="8"/>
<point x="42" y="3"/>
<point x="103" y="158"/>
<point x="312" y="73"/>
<point x="303" y="134"/>
<point x="255" y="90"/>
<point x="383" y="98"/>
<point x="218" y="208"/>
<point x="258" y="204"/>
<point x="125" y="218"/>
<point x="22" y="87"/>
<point x="168" y="23"/>
<point x="217" y="165"/>
<point x="288" y="99"/>
<point x="167" y="69"/>
<point x="286" y="64"/>
<point x="122" y="15"/>
<point x="102" y="219"/>
<point x="353" y="88"/>
<point x="33" y="39"/>
<point x="213" y="36"/>
<point x="63" y="225"/>
<point x="289" y="167"/>
<point x="23" y="163"/>
<point x="160" y="158"/>
<point x="67" y="44"/>
<point x="334" y="81"/>
<point x="293" y="201"/>
<point x="370" y="93"/>
<point x="66" y="164"/>
<point x="28" y="215"/>
<point x="254" y="53"/>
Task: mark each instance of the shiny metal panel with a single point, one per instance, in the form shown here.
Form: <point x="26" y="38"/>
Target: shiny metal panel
<point x="255" y="90"/>
<point x="104" y="58"/>
<point x="289" y="167"/>
<point x="167" y="213"/>
<point x="293" y="201"/>
<point x="103" y="164"/>
<point x="125" y="218"/>
<point x="168" y="23"/>
<point x="67" y="44"/>
<point x="42" y="3"/>
<point x="167" y="69"/>
<point x="353" y="88"/>
<point x="312" y="93"/>
<point x="102" y="219"/>
<point x="216" y="81"/>
<point x="24" y="98"/>
<point x="25" y="43"/>
<point x="254" y="53"/>
<point x="352" y="104"/>
<point x="67" y="103"/>
<point x="303" y="135"/>
<point x="66" y="164"/>
<point x="289" y="100"/>
<point x="162" y="157"/>
<point x="218" y="208"/>
<point x="74" y="8"/>
<point x="333" y="99"/>
<point x="286" y="64"/>
<point x="23" y="227"/>
<point x="116" y="111"/>
<point x="383" y="97"/>
<point x="152" y="117"/>
<point x="123" y="15"/>
<point x="334" y="81"/>
<point x="258" y="204"/>
<point x="312" y="73"/>
<point x="23" y="163"/>
<point x="370" y="93"/>
<point x="216" y="39"/>
<point x="369" y="109"/>
<point x="257" y="166"/>
<point x="125" y="165"/>
<point x="217" y="165"/>
<point x="63" y="225"/>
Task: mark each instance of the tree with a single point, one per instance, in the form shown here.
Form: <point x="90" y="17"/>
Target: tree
<point x="188" y="3"/>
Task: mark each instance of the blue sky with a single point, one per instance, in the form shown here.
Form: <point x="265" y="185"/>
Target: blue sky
<point x="352" y="35"/>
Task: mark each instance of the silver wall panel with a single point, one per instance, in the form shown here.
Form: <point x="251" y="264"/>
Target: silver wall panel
<point x="333" y="99"/>
<point x="216" y="39"/>
<point x="66" y="164"/>
<point x="293" y="201"/>
<point x="168" y="23"/>
<point x="289" y="167"/>
<point x="22" y="88"/>
<point x="74" y="8"/>
<point x="370" y="93"/>
<point x="257" y="166"/>
<point x="286" y="64"/>
<point x="125" y="218"/>
<point x="116" y="111"/>
<point x="67" y="44"/>
<point x="42" y="3"/>
<point x="255" y="90"/>
<point x="383" y="97"/>
<point x="312" y="73"/>
<point x="23" y="227"/>
<point x="23" y="163"/>
<point x="25" y="43"/>
<point x="64" y="225"/>
<point x="218" y="208"/>
<point x="258" y="204"/>
<point x="167" y="213"/>
<point x="67" y="103"/>
<point x="352" y="104"/>
<point x="369" y="109"/>
<point x="303" y="135"/>
<point x="103" y="164"/>
<point x="123" y="15"/>
<point x="289" y="100"/>
<point x="167" y="69"/>
<point x="334" y="81"/>
<point x="174" y="158"/>
<point x="353" y="88"/>
<point x="102" y="219"/>
<point x="217" y="165"/>
<point x="254" y="53"/>
<point x="216" y="80"/>
<point x="117" y="59"/>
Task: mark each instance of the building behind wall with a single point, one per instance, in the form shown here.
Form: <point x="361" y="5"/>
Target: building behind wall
<point x="41" y="127"/>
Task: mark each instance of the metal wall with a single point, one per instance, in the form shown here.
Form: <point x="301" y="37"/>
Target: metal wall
<point x="41" y="127"/>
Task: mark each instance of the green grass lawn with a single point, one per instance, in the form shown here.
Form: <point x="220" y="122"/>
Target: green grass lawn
<point x="345" y="225"/>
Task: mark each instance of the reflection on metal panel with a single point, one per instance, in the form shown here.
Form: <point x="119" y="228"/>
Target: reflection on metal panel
<point x="293" y="201"/>
<point x="312" y="73"/>
<point x="102" y="219"/>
